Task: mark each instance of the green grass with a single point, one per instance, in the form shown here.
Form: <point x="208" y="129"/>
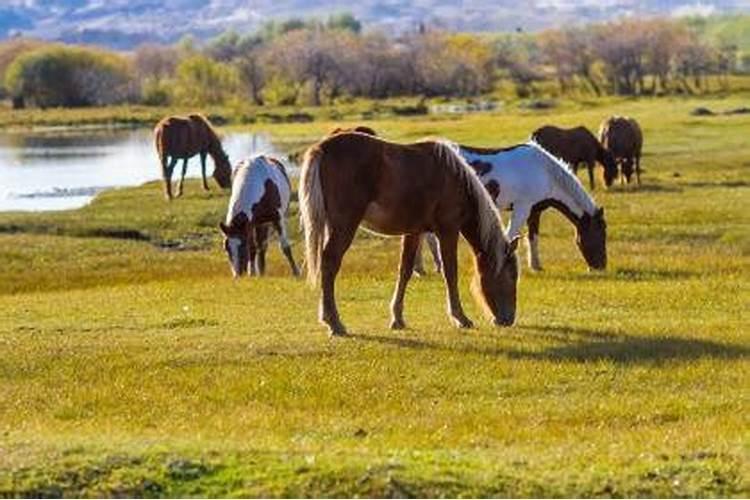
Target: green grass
<point x="132" y="365"/>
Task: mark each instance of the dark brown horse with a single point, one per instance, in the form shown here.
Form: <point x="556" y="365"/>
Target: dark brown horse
<point x="181" y="138"/>
<point x="575" y="146"/>
<point x="350" y="179"/>
<point x="622" y="136"/>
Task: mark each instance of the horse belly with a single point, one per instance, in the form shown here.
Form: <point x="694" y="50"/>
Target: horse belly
<point x="379" y="219"/>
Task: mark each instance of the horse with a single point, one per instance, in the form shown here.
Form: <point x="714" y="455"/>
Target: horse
<point x="260" y="198"/>
<point x="577" y="145"/>
<point x="622" y="136"/>
<point x="527" y="179"/>
<point x="352" y="178"/>
<point x="180" y="137"/>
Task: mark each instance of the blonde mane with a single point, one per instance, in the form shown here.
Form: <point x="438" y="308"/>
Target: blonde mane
<point x="563" y="175"/>
<point x="491" y="228"/>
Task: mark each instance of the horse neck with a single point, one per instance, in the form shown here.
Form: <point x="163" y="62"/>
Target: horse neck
<point x="486" y="247"/>
<point x="600" y="151"/>
<point x="215" y="149"/>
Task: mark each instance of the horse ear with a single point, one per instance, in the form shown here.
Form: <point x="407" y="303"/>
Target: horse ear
<point x="600" y="212"/>
<point x="224" y="228"/>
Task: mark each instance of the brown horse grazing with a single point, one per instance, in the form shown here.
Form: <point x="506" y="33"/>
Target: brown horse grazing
<point x="577" y="145"/>
<point x="622" y="136"/>
<point x="402" y="189"/>
<point x="184" y="137"/>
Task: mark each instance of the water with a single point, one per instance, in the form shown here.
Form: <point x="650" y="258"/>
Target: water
<point x="59" y="170"/>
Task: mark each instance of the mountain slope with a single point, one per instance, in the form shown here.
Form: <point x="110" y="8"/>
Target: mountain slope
<point x="125" y="23"/>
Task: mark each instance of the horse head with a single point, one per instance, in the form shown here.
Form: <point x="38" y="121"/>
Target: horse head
<point x="222" y="171"/>
<point x="591" y="237"/>
<point x="237" y="244"/>
<point x="496" y="283"/>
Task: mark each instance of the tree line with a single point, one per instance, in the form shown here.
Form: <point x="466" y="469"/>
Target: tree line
<point x="319" y="61"/>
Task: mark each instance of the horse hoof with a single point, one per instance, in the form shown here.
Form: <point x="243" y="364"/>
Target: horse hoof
<point x="464" y="323"/>
<point x="337" y="332"/>
<point x="398" y="324"/>
<point x="335" y="328"/>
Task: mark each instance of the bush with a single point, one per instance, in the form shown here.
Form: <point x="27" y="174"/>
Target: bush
<point x="155" y="92"/>
<point x="70" y="77"/>
<point x="203" y="81"/>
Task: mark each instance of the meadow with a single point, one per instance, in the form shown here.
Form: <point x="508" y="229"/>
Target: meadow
<point x="131" y="364"/>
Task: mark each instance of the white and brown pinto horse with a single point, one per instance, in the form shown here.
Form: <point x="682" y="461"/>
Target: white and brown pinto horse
<point x="527" y="180"/>
<point x="260" y="198"/>
<point x="350" y="179"/>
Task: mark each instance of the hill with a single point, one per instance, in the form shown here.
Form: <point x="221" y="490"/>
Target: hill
<point x="125" y="23"/>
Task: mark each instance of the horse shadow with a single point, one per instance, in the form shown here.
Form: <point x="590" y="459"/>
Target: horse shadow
<point x="580" y="345"/>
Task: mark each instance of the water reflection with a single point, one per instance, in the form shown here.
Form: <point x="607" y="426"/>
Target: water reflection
<point x="61" y="170"/>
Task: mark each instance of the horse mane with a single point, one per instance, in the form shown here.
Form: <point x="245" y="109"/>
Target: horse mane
<point x="491" y="233"/>
<point x="563" y="175"/>
<point x="488" y="151"/>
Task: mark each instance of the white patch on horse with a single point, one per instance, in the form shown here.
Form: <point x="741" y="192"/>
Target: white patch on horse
<point x="567" y="179"/>
<point x="249" y="185"/>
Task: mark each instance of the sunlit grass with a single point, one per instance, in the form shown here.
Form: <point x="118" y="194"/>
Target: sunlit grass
<point x="138" y="367"/>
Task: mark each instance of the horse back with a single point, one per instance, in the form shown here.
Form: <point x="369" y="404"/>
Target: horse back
<point x="618" y="135"/>
<point x="574" y="145"/>
<point x="396" y="187"/>
<point x="183" y="137"/>
<point x="260" y="190"/>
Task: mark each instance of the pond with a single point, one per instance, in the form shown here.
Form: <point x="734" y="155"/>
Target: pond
<point x="64" y="169"/>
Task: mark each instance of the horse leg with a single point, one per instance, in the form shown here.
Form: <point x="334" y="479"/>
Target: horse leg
<point x="203" y="170"/>
<point x="261" y="237"/>
<point x="432" y="244"/>
<point x="590" y="167"/>
<point x="338" y="242"/>
<point x="409" y="248"/>
<point x="252" y="250"/>
<point x="533" y="240"/>
<point x="448" y="252"/>
<point x="418" y="260"/>
<point x="518" y="218"/>
<point x="629" y="170"/>
<point x="167" y="170"/>
<point x="638" y="170"/>
<point x="286" y="248"/>
<point x="182" y="179"/>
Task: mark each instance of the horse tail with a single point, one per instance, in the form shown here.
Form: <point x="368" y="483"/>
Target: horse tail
<point x="161" y="148"/>
<point x="312" y="212"/>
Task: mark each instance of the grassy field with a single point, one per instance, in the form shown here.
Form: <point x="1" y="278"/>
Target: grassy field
<point x="131" y="364"/>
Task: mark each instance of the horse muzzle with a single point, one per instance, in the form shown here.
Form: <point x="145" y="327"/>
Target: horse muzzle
<point x="505" y="320"/>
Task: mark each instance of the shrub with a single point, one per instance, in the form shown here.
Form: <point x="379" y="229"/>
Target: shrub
<point x="69" y="76"/>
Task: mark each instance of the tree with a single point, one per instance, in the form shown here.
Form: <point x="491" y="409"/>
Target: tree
<point x="152" y="61"/>
<point x="69" y="76"/>
<point x="571" y="53"/>
<point x="203" y="81"/>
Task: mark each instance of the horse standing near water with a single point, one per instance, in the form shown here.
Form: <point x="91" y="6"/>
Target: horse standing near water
<point x="527" y="180"/>
<point x="260" y="198"/>
<point x="575" y="146"/>
<point x="402" y="189"/>
<point x="623" y="137"/>
<point x="181" y="138"/>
